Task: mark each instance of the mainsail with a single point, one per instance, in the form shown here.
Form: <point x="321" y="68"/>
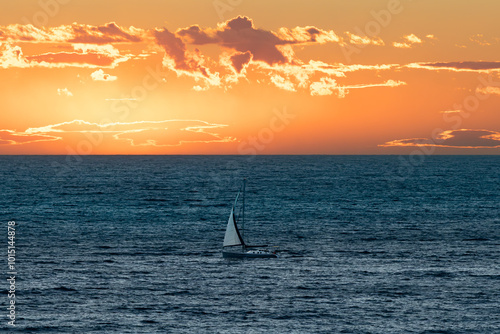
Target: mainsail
<point x="232" y="237"/>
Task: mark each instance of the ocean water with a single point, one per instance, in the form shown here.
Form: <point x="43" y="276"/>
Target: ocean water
<point x="367" y="244"/>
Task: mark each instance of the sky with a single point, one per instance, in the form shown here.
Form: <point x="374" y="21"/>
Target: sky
<point x="249" y="77"/>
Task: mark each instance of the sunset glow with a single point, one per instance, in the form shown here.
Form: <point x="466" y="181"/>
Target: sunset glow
<point x="249" y="77"/>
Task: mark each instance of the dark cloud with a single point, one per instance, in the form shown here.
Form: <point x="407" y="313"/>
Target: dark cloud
<point x="111" y="29"/>
<point x="472" y="138"/>
<point x="239" y="60"/>
<point x="463" y="138"/>
<point x="108" y="33"/>
<point x="466" y="65"/>
<point x="240" y="35"/>
<point x="174" y="47"/>
<point x="313" y="32"/>
<point x="195" y="35"/>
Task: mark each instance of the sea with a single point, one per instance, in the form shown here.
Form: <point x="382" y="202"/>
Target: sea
<point x="366" y="244"/>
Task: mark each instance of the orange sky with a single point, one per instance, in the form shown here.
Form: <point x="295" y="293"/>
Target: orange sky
<point x="249" y="77"/>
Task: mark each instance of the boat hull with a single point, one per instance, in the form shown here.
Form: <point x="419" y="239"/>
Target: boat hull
<point x="243" y="255"/>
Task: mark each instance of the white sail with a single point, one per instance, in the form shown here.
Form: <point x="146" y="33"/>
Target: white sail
<point x="232" y="237"/>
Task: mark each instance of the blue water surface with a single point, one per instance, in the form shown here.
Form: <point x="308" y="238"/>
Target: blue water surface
<point x="368" y="244"/>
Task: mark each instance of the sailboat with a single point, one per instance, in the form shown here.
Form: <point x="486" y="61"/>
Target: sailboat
<point x="234" y="245"/>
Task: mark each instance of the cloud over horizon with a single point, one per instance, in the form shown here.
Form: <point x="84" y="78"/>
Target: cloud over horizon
<point x="142" y="133"/>
<point x="462" y="138"/>
<point x="11" y="137"/>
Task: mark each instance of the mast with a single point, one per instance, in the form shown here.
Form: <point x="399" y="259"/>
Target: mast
<point x="243" y="212"/>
